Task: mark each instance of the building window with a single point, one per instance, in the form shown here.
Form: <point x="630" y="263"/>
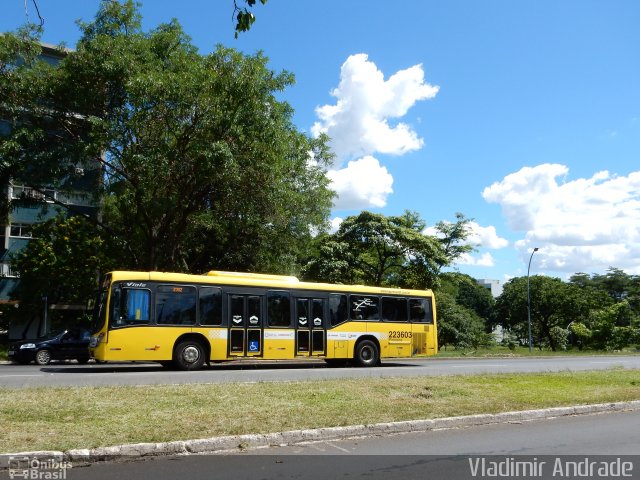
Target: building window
<point x="20" y="230"/>
<point x="20" y="191"/>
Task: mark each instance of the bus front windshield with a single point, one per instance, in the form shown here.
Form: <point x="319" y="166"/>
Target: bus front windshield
<point x="99" y="311"/>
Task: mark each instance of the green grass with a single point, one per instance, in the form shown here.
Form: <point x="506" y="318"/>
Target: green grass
<point x="500" y="351"/>
<point x="65" y="418"/>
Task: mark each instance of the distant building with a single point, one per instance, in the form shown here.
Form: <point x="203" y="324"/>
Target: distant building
<point x="494" y="286"/>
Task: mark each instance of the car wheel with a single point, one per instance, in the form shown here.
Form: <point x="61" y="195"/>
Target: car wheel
<point x="189" y="355"/>
<point x="367" y="354"/>
<point x="43" y="357"/>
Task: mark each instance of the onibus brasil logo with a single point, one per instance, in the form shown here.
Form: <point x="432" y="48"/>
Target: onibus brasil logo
<point x="38" y="468"/>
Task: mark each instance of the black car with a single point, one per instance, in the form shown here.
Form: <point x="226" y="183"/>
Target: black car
<point x="68" y="344"/>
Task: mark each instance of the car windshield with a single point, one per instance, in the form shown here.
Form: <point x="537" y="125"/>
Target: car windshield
<point x="51" y="335"/>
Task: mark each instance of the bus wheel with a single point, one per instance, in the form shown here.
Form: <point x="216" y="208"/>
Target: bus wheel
<point x="189" y="355"/>
<point x="367" y="354"/>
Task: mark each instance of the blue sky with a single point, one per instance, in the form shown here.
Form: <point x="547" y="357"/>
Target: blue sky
<point x="524" y="116"/>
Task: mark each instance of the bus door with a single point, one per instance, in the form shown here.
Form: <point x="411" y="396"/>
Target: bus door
<point x="311" y="333"/>
<point x="245" y="325"/>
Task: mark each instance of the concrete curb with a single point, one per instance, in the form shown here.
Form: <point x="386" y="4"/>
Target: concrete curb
<point x="235" y="442"/>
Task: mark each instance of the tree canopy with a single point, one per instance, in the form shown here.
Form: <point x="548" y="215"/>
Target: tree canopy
<point x="202" y="165"/>
<point x="242" y="13"/>
<point x="387" y="250"/>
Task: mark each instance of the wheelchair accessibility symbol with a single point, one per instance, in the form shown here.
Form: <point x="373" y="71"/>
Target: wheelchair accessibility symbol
<point x="254" y="346"/>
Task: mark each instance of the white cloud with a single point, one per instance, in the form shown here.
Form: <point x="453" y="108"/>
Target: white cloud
<point x="479" y="237"/>
<point x="361" y="184"/>
<point x="358" y="124"/>
<point x="486" y="237"/>
<point x="587" y="224"/>
<point x="484" y="260"/>
<point x="335" y="224"/>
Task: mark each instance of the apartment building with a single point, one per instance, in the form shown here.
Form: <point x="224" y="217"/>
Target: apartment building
<point x="31" y="205"/>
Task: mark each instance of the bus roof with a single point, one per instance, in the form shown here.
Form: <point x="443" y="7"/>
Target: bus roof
<point x="258" y="280"/>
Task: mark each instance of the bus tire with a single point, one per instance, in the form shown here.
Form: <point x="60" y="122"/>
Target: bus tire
<point x="189" y="355"/>
<point x="367" y="354"/>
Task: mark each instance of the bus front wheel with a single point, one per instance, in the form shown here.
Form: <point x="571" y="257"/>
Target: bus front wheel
<point x="367" y="354"/>
<point x="189" y="355"/>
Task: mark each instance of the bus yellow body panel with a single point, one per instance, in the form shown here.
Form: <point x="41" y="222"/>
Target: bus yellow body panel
<point x="149" y="316"/>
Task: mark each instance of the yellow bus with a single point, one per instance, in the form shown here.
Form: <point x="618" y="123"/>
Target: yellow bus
<point x="186" y="321"/>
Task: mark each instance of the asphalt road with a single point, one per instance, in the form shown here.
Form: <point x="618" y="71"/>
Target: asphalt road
<point x="546" y="445"/>
<point x="72" y="374"/>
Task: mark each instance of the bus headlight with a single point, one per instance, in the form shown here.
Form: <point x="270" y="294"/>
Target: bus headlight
<point x="95" y="340"/>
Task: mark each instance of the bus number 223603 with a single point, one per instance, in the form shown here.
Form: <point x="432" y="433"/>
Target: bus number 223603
<point x="398" y="334"/>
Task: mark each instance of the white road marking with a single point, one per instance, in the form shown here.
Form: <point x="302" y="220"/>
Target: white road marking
<point x="339" y="448"/>
<point x="480" y="365"/>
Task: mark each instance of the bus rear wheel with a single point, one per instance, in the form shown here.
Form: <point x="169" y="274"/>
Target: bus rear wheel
<point x="367" y="354"/>
<point x="189" y="355"/>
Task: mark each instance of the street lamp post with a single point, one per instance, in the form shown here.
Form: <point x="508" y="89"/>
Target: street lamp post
<point x="529" y="297"/>
<point x="44" y="315"/>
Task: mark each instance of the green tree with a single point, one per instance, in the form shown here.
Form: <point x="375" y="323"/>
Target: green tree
<point x="469" y="294"/>
<point x="62" y="262"/>
<point x="453" y="237"/>
<point x="614" y="301"/>
<point x="612" y="327"/>
<point x="580" y="335"/>
<point x="459" y="326"/>
<point x="375" y="249"/>
<point x="243" y="14"/>
<point x="203" y="167"/>
<point x="554" y="303"/>
<point x="244" y="17"/>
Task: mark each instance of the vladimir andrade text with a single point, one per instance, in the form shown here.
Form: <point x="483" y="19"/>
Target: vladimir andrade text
<point x="552" y="467"/>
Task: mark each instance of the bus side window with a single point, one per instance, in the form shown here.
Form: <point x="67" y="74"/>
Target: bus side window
<point x="338" y="311"/>
<point x="210" y="306"/>
<point x="364" y="307"/>
<point x="420" y="310"/>
<point x="130" y="306"/>
<point x="175" y="305"/>
<point x="278" y="309"/>
<point x="394" y="309"/>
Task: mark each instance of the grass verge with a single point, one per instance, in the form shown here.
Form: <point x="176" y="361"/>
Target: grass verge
<point x="500" y="351"/>
<point x="65" y="418"/>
